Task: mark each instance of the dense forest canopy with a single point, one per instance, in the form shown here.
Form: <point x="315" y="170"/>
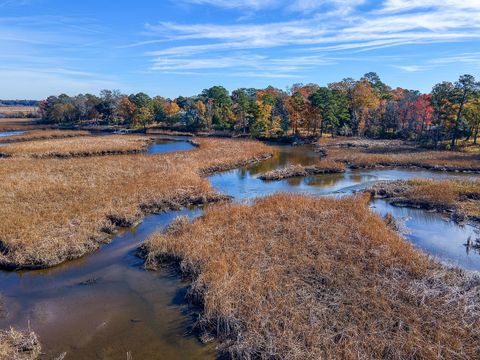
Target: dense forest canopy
<point x="364" y="107"/>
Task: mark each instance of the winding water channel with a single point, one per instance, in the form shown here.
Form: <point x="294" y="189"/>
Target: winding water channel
<point x="10" y="133"/>
<point x="106" y="305"/>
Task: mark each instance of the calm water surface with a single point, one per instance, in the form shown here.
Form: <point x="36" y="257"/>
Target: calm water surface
<point x="169" y="145"/>
<point x="10" y="133"/>
<point x="105" y="304"/>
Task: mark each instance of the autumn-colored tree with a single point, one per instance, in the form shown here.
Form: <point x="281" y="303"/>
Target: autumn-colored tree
<point x="472" y="115"/>
<point x="366" y="107"/>
<point x="423" y="111"/>
<point x="171" y="110"/>
<point x="143" y="117"/>
<point x="126" y="109"/>
<point x="363" y="99"/>
<point x="201" y="112"/>
<point x="262" y="120"/>
<point x="406" y="112"/>
<point x="295" y="106"/>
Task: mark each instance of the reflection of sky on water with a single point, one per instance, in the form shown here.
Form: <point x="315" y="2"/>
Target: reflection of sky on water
<point x="166" y="146"/>
<point x="10" y="133"/>
<point x="429" y="231"/>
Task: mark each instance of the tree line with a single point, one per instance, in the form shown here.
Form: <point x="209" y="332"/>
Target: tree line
<point x="365" y="107"/>
<point x="18" y="102"/>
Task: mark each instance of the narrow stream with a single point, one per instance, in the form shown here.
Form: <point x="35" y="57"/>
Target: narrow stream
<point x="106" y="305"/>
<point x="10" y="133"/>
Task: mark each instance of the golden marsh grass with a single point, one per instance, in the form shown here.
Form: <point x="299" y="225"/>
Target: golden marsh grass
<point x="77" y="146"/>
<point x="321" y="167"/>
<point x="459" y="197"/>
<point x="16" y="345"/>
<point x="58" y="209"/>
<point x="297" y="277"/>
<point x="370" y="153"/>
<point x="44" y="135"/>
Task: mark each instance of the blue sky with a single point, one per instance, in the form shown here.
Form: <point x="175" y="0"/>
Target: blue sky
<point x="174" y="47"/>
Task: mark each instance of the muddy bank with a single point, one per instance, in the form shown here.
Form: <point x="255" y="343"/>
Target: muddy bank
<point x="326" y="167"/>
<point x="459" y="199"/>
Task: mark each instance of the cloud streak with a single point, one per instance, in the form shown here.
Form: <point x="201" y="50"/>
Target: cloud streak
<point x="320" y="32"/>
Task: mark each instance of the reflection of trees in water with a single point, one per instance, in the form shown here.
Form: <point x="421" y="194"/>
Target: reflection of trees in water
<point x="284" y="156"/>
<point x="473" y="242"/>
<point x="327" y="180"/>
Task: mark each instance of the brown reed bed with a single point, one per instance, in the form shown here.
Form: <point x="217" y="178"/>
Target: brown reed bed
<point x="23" y="124"/>
<point x="13" y="110"/>
<point x="297" y="277"/>
<point x="362" y="153"/>
<point x="322" y="167"/>
<point x="33" y="135"/>
<point x="459" y="198"/>
<point x="59" y="209"/>
<point x="78" y="146"/>
<point x="16" y="345"/>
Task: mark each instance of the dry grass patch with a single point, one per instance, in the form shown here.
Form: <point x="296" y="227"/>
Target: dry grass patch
<point x="58" y="209"/>
<point x="78" y="146"/>
<point x="322" y="167"/>
<point x="9" y="124"/>
<point x="376" y="153"/>
<point x="15" y="345"/>
<point x="460" y="198"/>
<point x="43" y="135"/>
<point x="19" y="111"/>
<point x="297" y="277"/>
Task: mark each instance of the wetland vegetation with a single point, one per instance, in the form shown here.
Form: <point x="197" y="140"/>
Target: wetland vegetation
<point x="266" y="273"/>
<point x="297" y="277"/>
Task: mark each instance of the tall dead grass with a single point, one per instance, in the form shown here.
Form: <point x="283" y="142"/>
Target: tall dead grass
<point x="297" y="277"/>
<point x="461" y="198"/>
<point x="321" y="167"/>
<point x="16" y="345"/>
<point x="12" y="124"/>
<point x="393" y="153"/>
<point x="78" y="146"/>
<point x="19" y="111"/>
<point x="44" y="135"/>
<point x="58" y="209"/>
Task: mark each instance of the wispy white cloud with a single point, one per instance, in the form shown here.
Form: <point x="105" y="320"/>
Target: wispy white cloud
<point x="411" y="68"/>
<point x="472" y="59"/>
<point x="321" y="32"/>
<point x="408" y="5"/>
<point x="231" y="4"/>
<point x="41" y="54"/>
<point x="302" y="6"/>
